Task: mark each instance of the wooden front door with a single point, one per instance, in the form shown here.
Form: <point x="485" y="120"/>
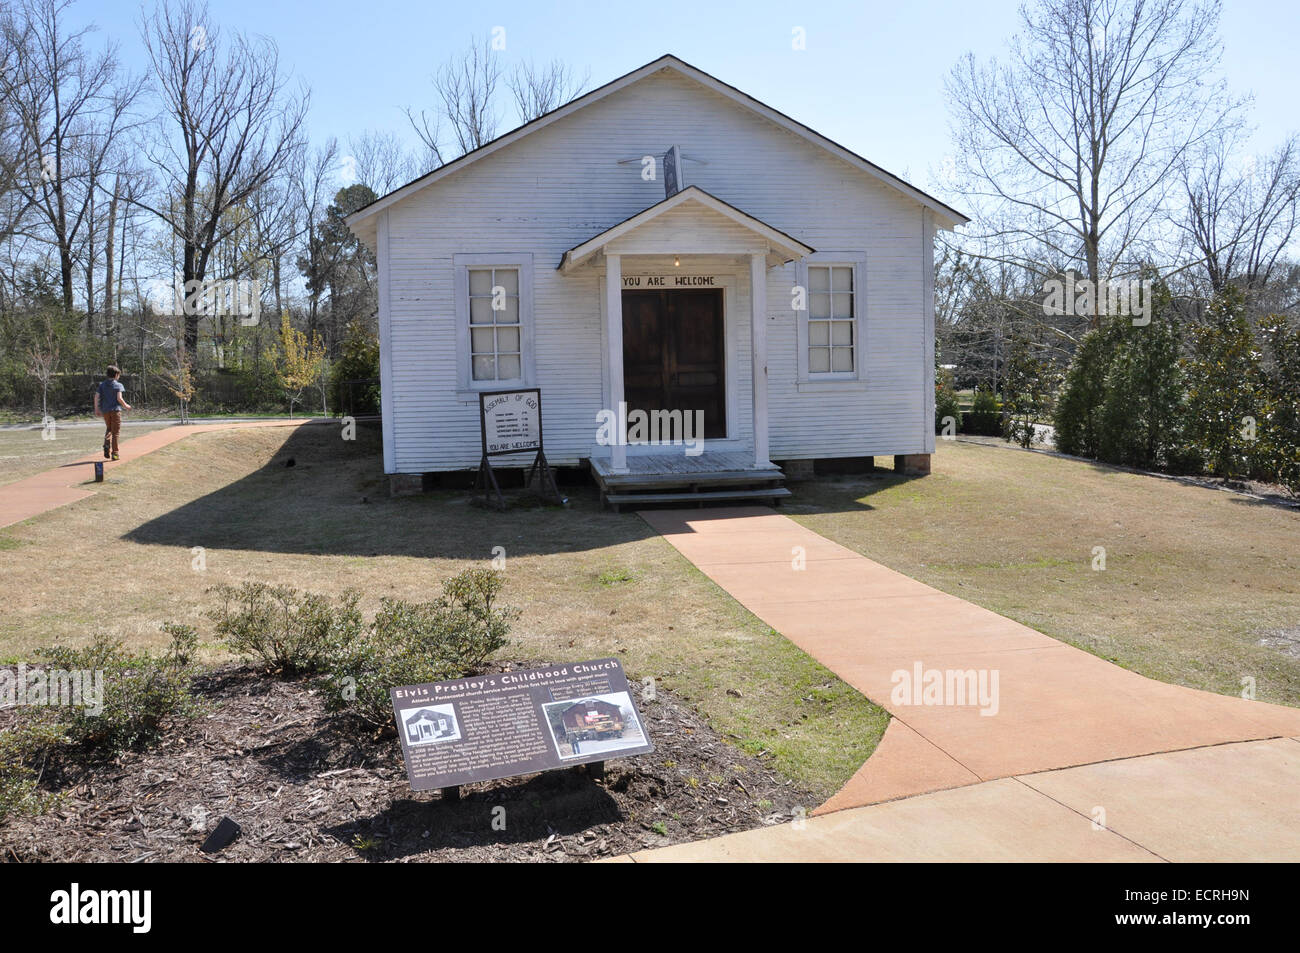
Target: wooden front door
<point x="673" y="351"/>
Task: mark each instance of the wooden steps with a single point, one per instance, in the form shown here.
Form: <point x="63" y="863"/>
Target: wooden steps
<point x="770" y="494"/>
<point x="683" y="481"/>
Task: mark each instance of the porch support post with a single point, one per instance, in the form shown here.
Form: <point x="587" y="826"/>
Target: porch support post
<point x="758" y="353"/>
<point x="614" y="355"/>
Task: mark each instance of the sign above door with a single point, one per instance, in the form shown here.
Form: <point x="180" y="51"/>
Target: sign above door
<point x="666" y="282"/>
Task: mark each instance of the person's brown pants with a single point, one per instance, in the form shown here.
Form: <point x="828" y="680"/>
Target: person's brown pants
<point x="112" y="427"/>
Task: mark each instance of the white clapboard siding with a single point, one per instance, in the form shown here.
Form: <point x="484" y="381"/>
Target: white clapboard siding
<point x="563" y="184"/>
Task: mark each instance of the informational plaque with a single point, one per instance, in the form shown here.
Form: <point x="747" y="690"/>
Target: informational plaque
<point x="512" y="421"/>
<point x="509" y="723"/>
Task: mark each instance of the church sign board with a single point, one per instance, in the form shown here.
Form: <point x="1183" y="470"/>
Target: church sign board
<point x="504" y="724"/>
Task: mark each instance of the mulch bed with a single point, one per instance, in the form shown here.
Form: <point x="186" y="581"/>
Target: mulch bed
<point x="304" y="787"/>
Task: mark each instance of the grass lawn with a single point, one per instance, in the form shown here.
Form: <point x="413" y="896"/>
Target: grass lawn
<point x="24" y="453"/>
<point x="590" y="583"/>
<point x="1194" y="580"/>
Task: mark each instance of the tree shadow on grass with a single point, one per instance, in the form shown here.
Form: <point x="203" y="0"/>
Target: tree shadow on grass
<point x="320" y="495"/>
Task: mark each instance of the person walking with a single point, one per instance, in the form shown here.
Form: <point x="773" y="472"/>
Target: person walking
<point x="110" y="401"/>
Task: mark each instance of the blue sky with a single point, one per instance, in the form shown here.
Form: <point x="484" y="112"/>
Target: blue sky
<point x="871" y="76"/>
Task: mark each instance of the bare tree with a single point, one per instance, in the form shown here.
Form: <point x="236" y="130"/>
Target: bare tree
<point x="381" y="161"/>
<point x="538" y="90"/>
<point x="43" y="357"/>
<point x="467" y="88"/>
<point x="229" y="123"/>
<point x="70" y="106"/>
<point x="1069" y="148"/>
<point x="1241" y="215"/>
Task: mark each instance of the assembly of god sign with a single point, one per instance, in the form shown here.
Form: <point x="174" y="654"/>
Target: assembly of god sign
<point x="512" y="421"/>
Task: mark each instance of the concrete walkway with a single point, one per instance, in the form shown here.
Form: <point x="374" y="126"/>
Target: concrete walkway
<point x="1056" y="707"/>
<point x="74" y="481"/>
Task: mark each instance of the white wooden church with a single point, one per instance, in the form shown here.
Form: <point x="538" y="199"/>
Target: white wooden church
<point x="663" y="243"/>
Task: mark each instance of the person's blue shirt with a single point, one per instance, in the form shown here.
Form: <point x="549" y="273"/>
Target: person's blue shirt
<point x="108" y="391"/>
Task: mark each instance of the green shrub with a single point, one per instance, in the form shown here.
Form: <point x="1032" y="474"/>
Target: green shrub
<point x="24" y="750"/>
<point x="1224" y="387"/>
<point x="287" y="633"/>
<point x="984" y="419"/>
<point x="946" y="403"/>
<point x="1027" y="392"/>
<point x="1077" y="420"/>
<point x="1142" y="417"/>
<point x="412" y="643"/>
<point x="358" y="360"/>
<point x="1278" y="450"/>
<point x="142" y="691"/>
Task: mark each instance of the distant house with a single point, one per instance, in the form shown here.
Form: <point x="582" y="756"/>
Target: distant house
<point x="592" y="717"/>
<point x="429" y="725"/>
<point x="664" y="243"/>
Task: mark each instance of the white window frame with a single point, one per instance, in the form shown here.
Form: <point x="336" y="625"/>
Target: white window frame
<point x="858" y="262"/>
<point x="462" y="264"/>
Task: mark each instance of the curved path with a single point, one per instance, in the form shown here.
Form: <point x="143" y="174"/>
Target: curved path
<point x="1069" y="745"/>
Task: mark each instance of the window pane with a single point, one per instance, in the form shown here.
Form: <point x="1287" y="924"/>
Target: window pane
<point x="480" y="281"/>
<point x="481" y="340"/>
<point x="508" y="339"/>
<point x="842" y="359"/>
<point x="485" y="368"/>
<point x="510" y="313"/>
<point x="841" y="332"/>
<point x="819" y="332"/>
<point x="841" y="279"/>
<point x="508" y="278"/>
<point x="508" y="367"/>
<point x="480" y="310"/>
<point x="819" y="306"/>
<point x="819" y="360"/>
<point x="842" y="305"/>
<point x="818" y="278"/>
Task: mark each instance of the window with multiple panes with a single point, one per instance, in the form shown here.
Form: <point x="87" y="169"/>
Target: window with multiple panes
<point x="832" y="311"/>
<point x="495" y="329"/>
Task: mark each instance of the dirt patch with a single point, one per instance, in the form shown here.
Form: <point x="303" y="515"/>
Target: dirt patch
<point x="302" y="788"/>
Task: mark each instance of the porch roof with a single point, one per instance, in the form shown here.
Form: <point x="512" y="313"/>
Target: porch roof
<point x="780" y="246"/>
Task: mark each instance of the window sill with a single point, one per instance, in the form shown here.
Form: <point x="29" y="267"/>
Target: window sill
<point x="471" y="396"/>
<point x="831" y="385"/>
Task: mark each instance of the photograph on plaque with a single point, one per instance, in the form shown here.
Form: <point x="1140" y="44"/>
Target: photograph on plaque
<point x="601" y="724"/>
<point x="429" y="724"/>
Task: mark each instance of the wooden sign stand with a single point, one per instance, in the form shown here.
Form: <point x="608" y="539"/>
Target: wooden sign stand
<point x="486" y="479"/>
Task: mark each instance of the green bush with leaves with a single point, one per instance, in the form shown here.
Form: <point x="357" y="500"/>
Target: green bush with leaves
<point x="1224" y="394"/>
<point x="1278" y="435"/>
<point x="1077" y="420"/>
<point x="946" y="404"/>
<point x="412" y="643"/>
<point x="1142" y="418"/>
<point x="142" y="691"/>
<point x="985" y="418"/>
<point x="286" y="632"/>
<point x="24" y="751"/>
<point x="1027" y="392"/>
